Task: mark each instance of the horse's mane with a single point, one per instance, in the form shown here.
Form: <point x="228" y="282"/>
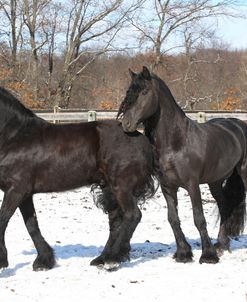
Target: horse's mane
<point x="167" y="92"/>
<point x="10" y="105"/>
<point x="162" y="85"/>
<point x="150" y="123"/>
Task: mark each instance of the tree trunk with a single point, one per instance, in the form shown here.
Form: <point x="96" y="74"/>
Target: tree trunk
<point x="64" y="90"/>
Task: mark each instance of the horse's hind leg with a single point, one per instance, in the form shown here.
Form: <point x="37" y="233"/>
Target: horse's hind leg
<point x="115" y="219"/>
<point x="12" y="198"/>
<point x="131" y="216"/>
<point x="45" y="259"/>
<point x="223" y="241"/>
<point x="115" y="216"/>
<point x="230" y="199"/>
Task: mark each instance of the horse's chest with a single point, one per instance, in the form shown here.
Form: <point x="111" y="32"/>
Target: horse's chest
<point x="170" y="172"/>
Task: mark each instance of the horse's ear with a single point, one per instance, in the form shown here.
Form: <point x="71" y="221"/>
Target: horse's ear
<point x="145" y="73"/>
<point x="132" y="74"/>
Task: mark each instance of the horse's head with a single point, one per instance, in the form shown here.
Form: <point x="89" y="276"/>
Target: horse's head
<point x="140" y="101"/>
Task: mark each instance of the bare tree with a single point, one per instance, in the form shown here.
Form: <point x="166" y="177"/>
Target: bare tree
<point x="243" y="80"/>
<point x="92" y="27"/>
<point x="12" y="28"/>
<point x="52" y="29"/>
<point x="159" y="25"/>
<point x="34" y="15"/>
<point x="196" y="38"/>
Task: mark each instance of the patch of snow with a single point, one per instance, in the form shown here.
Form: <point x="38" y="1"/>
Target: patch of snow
<point x="78" y="231"/>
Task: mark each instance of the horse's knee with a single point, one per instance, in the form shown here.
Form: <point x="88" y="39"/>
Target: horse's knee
<point x="134" y="214"/>
<point x="200" y="222"/>
<point x="171" y="217"/>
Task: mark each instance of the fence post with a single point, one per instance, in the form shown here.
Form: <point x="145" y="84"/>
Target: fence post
<point x="91" y="116"/>
<point x="201" y="117"/>
<point x="55" y="111"/>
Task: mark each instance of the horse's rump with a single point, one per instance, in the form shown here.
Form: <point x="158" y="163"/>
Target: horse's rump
<point x="125" y="158"/>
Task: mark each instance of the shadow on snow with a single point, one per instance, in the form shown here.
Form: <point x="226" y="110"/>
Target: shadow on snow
<point x="140" y="252"/>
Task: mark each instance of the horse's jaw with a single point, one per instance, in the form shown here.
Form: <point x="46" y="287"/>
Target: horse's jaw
<point x="129" y="126"/>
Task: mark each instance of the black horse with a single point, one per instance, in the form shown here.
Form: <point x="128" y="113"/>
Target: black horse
<point x="37" y="156"/>
<point x="190" y="154"/>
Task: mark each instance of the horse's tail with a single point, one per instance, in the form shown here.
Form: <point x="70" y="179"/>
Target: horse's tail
<point x="233" y="209"/>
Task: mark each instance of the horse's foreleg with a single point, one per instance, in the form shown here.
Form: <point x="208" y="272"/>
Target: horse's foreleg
<point x="115" y="216"/>
<point x="209" y="254"/>
<point x="11" y="200"/>
<point x="183" y="253"/>
<point x="45" y="259"/>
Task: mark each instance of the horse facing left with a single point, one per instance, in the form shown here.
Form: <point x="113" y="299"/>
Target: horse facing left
<point x="37" y="156"/>
<point x="189" y="154"/>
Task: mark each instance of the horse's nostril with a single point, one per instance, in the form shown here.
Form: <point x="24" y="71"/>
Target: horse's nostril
<point x="128" y="124"/>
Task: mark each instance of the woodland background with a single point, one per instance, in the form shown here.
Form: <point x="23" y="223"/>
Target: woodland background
<point x="76" y="53"/>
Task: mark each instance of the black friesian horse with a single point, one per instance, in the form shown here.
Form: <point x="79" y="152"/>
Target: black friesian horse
<point x="190" y="154"/>
<point x="37" y="156"/>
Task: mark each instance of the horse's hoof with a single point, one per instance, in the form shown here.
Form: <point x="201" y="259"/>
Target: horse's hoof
<point x="209" y="258"/>
<point x="4" y="264"/>
<point x="220" y="252"/>
<point x="111" y="266"/>
<point x="106" y="259"/>
<point x="125" y="258"/>
<point x="98" y="261"/>
<point x="107" y="265"/>
<point x="221" y="248"/>
<point x="183" y="257"/>
<point x="43" y="264"/>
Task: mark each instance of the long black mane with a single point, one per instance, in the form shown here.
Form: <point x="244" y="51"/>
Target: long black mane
<point x="132" y="93"/>
<point x="138" y="85"/>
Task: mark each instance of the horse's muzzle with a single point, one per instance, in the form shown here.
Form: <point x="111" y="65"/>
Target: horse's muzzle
<point x="127" y="126"/>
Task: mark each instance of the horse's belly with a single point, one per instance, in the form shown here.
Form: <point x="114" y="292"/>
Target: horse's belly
<point x="219" y="171"/>
<point x="64" y="178"/>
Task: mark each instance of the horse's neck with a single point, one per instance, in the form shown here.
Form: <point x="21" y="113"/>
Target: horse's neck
<point x="171" y="113"/>
<point x="11" y="122"/>
<point x="169" y="122"/>
<point x="150" y="126"/>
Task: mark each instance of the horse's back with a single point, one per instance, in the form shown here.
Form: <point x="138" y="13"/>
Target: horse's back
<point x="48" y="157"/>
<point x="210" y="151"/>
<point x="233" y="126"/>
<point x="224" y="142"/>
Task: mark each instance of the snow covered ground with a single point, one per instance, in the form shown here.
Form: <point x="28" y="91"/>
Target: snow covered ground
<point x="77" y="231"/>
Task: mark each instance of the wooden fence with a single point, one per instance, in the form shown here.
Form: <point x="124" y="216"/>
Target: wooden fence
<point x="65" y="116"/>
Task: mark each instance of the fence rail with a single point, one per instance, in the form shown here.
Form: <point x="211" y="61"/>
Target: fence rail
<point x="66" y="116"/>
